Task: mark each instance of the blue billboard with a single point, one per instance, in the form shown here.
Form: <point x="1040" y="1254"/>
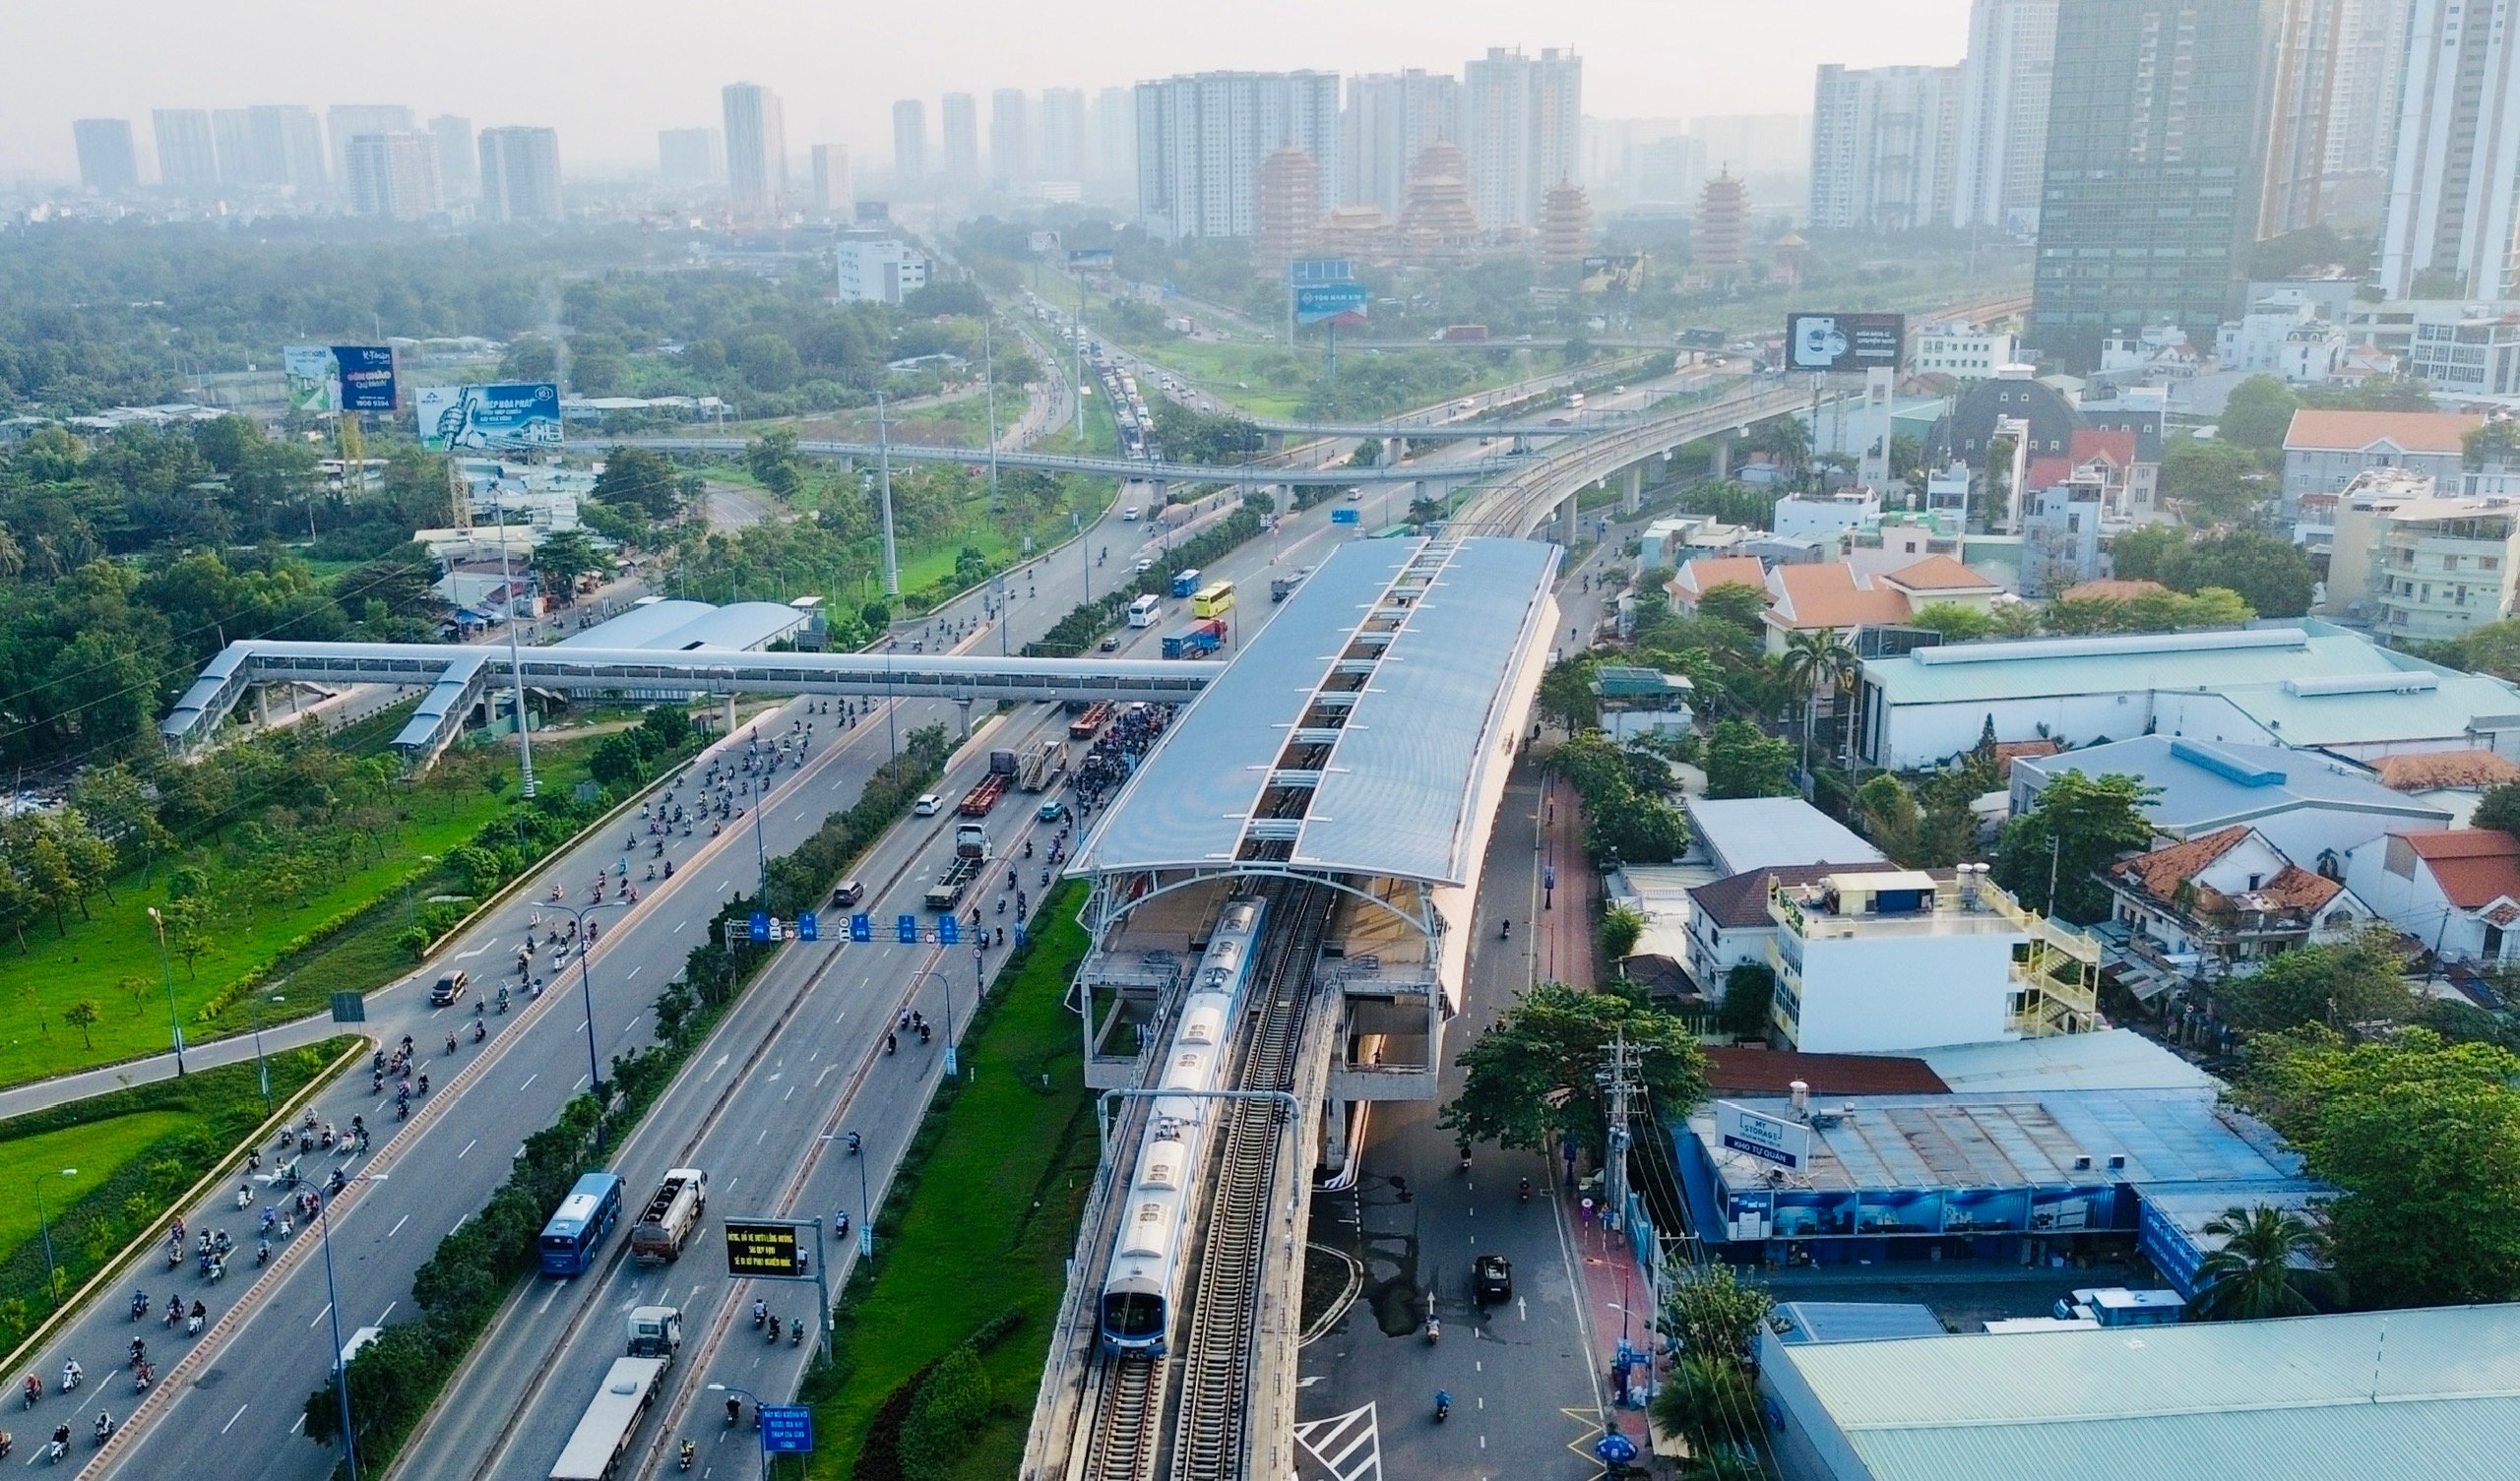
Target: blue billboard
<point x="1330" y="303"/>
<point x="367" y="377"/>
<point x="1304" y="270"/>
<point x="509" y="418"/>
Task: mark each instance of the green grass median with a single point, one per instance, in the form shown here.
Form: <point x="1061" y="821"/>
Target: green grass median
<point x="972" y="1243"/>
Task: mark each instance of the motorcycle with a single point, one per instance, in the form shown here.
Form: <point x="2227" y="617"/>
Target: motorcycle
<point x="734" y="1411"/>
<point x="1523" y="1190"/>
<point x="890" y="1043"/>
<point x="71" y="1376"/>
<point x="60" y="1445"/>
<point x="481" y="1031"/>
<point x="1443" y="1406"/>
<point x="796" y="1333"/>
<point x="139" y="1306"/>
<point x="104" y="1428"/>
<point x="34" y="1391"/>
<point x="688" y="1451"/>
<point x="246" y="1196"/>
<point x="1434" y="1329"/>
<point x="1506" y="934"/>
<point x="773" y="1331"/>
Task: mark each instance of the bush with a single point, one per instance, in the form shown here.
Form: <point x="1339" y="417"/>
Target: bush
<point x="953" y="1397"/>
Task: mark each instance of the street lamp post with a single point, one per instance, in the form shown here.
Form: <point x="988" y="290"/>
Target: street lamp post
<point x="586" y="994"/>
<point x="43" y="1224"/>
<point x="756" y="1419"/>
<point x="174" y="1022"/>
<point x="867" y="1210"/>
<point x="333" y="1296"/>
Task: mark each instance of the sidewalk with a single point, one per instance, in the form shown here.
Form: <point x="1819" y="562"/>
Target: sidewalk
<point x="1617" y="1311"/>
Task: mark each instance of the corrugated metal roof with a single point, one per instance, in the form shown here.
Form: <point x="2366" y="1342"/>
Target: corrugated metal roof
<point x="1743" y="833"/>
<point x="2432" y="1392"/>
<point x="1856" y="1321"/>
<point x="681" y="626"/>
<point x="1392" y="798"/>
<point x="2204" y="785"/>
<point x="2112" y="1059"/>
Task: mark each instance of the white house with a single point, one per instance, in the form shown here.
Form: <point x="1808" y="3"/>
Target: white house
<point x="879" y="271"/>
<point x="2457" y="891"/>
<point x="2220" y="905"/>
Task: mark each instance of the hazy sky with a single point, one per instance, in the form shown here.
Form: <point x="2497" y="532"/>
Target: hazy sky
<point x="610" y="73"/>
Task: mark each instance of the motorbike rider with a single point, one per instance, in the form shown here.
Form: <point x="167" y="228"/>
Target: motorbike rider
<point x="71" y="1374"/>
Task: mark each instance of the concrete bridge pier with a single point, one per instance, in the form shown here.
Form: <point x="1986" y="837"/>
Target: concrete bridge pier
<point x="1566" y="522"/>
<point x="1631" y="488"/>
<point x="1722" y="464"/>
<point x="730" y="713"/>
<point x="963" y="703"/>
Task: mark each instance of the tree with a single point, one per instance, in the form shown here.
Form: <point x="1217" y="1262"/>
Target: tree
<point x="83" y="1016"/>
<point x="1711" y="1314"/>
<point x="1566" y="694"/>
<point x="1891" y="817"/>
<point x="2499" y="809"/>
<point x="1741" y="761"/>
<point x="2077" y="826"/>
<point x="187" y="926"/>
<point x="2423" y="1138"/>
<point x="2351" y="987"/>
<point x="1956" y="623"/>
<point x="772" y="462"/>
<point x="2497" y="443"/>
<point x="2144" y="552"/>
<point x="2273" y="575"/>
<point x="563" y="557"/>
<point x="1814" y="661"/>
<point x="2258" y="413"/>
<point x="1619" y="930"/>
<point x="641" y="480"/>
<point x="1709" y="1401"/>
<point x="2219" y="482"/>
<point x="1749" y="990"/>
<point x="1533" y="1075"/>
<point x="2255" y="1273"/>
<point x="1739" y="603"/>
<point x="618" y="763"/>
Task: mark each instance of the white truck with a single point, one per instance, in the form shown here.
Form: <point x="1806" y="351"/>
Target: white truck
<point x="673" y="1212"/>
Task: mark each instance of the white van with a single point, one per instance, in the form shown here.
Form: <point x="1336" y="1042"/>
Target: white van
<point x="928" y="805"/>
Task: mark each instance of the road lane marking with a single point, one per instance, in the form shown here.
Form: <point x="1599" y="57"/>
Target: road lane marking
<point x="678" y="925"/>
<point x="460" y="956"/>
<point x="397" y="1226"/>
<point x="389" y="1311"/>
<point x="467" y="1147"/>
<point x="530" y="1080"/>
<point x="320" y="1316"/>
<point x="232" y="1418"/>
<point x="301" y="1424"/>
<point x="459" y="1224"/>
<point x="634" y="971"/>
<point x="580" y="1085"/>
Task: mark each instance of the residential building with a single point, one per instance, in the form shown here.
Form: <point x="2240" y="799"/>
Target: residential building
<point x="1721" y="247"/>
<point x="232" y="131"/>
<point x="187" y="150"/>
<point x="521" y="175"/>
<point x="2355" y="518"/>
<point x="1522" y="123"/>
<point x="107" y="162"/>
<point x="1963" y="349"/>
<point x="393" y="175"/>
<point x="1390" y="118"/>
<point x="1803" y="517"/>
<point x="1756" y="144"/>
<point x="1834" y="597"/>
<point x="1695" y="579"/>
<point x="1727" y="923"/>
<point x="2154" y="169"/>
<point x="833" y="194"/>
<point x="2324" y="449"/>
<point x="961" y="117"/>
<point x="288" y="147"/>
<point x="2444" y="567"/>
<point x="2283" y="335"/>
<point x="2457" y="891"/>
<point x="1668" y="171"/>
<point x="2362" y="101"/>
<point x="1060" y="145"/>
<point x="1010" y="137"/>
<point x="1884" y="148"/>
<point x="345" y="121"/>
<point x="1201" y="139"/>
<point x="878" y="270"/>
<point x="2003" y="114"/>
<point x="2466" y="348"/>
<point x="691" y="157"/>
<point x="2061" y="528"/>
<point x="1739" y="835"/>
<point x="909" y="142"/>
<point x="1884" y="961"/>
<point x="2308" y="685"/>
<point x="2454" y="180"/>
<point x="1638" y="702"/>
<point x="1288" y="206"/>
<point x="756" y="150"/>
<point x="2219" y="906"/>
<point x="457" y="178"/>
<point x="1116" y="138"/>
<point x="2039" y="419"/>
<point x="2307" y="806"/>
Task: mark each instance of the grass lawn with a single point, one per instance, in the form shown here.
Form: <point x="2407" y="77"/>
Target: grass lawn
<point x="111" y="957"/>
<point x="999" y="1192"/>
<point x="68" y="1164"/>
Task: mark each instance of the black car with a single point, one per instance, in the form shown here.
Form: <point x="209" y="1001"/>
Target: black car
<point x="449" y="988"/>
<point x="1491" y="1278"/>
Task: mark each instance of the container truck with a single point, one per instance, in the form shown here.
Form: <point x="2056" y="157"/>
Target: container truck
<point x="673" y="1212"/>
<point x="983" y="795"/>
<point x="1087" y="725"/>
<point x="971" y="856"/>
<point x="1197" y="641"/>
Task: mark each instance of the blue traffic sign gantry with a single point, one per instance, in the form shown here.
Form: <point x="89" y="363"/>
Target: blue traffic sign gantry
<point x="786" y="1429"/>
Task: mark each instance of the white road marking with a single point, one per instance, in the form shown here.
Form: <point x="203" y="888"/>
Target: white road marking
<point x="397" y="1226"/>
<point x="232" y="1418"/>
<point x="530" y="1080"/>
<point x="678" y="925"/>
<point x="460" y="956"/>
<point x="301" y="1424"/>
<point x="320" y="1316"/>
<point x="547" y="1300"/>
<point x="459" y="1224"/>
<point x="467" y="1147"/>
<point x="389" y="1311"/>
<point x="633" y="972"/>
<point x="580" y="1085"/>
<point x="1336" y="1441"/>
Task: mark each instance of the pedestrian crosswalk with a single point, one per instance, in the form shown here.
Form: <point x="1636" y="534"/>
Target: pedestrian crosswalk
<point x="1348" y="1446"/>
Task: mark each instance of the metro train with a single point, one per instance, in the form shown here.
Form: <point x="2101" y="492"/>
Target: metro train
<point x="1144" y="1282"/>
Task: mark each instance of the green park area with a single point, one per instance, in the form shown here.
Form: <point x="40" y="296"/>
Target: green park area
<point x="934" y="1371"/>
<point x="1275" y="383"/>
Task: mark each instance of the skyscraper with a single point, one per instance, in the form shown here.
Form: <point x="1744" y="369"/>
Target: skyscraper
<point x="2301" y="78"/>
<point x="833" y="194"/>
<point x="962" y="122"/>
<point x="1115" y="137"/>
<point x="345" y="121"/>
<point x="2004" y="113"/>
<point x="2156" y="139"/>
<point x="690" y="156"/>
<point x="288" y="147"/>
<point x="187" y="149"/>
<point x="521" y="175"/>
<point x="392" y="174"/>
<point x="1884" y="148"/>
<point x="2370" y="57"/>
<point x="239" y="165"/>
<point x="910" y="141"/>
<point x="1010" y="137"/>
<point x="2454" y="183"/>
<point x="1524" y="121"/>
<point x="1391" y="117"/>
<point x="455" y="175"/>
<point x="1059" y="143"/>
<point x="107" y="162"/>
<point x="1201" y="139"/>
<point x="756" y="150"/>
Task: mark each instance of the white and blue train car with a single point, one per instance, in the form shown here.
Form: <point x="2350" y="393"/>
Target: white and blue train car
<point x="1142" y="1290"/>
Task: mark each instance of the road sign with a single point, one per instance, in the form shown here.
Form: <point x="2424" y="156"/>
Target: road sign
<point x="949" y="930"/>
<point x="1311" y="270"/>
<point x="808" y="927"/>
<point x="766" y="1249"/>
<point x="952" y="1069"/>
<point x="906" y="928"/>
<point x="1344" y="517"/>
<point x="861" y="927"/>
<point x="786" y="1430"/>
<point x="760" y="926"/>
<point x="349" y="1007"/>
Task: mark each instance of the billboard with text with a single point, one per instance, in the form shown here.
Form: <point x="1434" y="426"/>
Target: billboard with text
<point x="314" y="378"/>
<point x="367" y="377"/>
<point x="1844" y="342"/>
<point x="1330" y="303"/>
<point x="511" y="417"/>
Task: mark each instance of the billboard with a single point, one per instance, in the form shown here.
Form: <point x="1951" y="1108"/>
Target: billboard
<point x="506" y="417"/>
<point x="314" y="378"/>
<point x="367" y="377"/>
<point x="1042" y="243"/>
<point x="1330" y="303"/>
<point x="1770" y="1139"/>
<point x="1844" y="342"/>
<point x="1089" y="259"/>
<point x="1622" y="274"/>
<point x="1304" y="270"/>
<point x="769" y="1248"/>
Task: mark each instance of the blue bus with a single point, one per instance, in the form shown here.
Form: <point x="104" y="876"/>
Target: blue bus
<point x="584" y="1218"/>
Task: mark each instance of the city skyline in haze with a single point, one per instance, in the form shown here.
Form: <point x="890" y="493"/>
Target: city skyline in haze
<point x="635" y="67"/>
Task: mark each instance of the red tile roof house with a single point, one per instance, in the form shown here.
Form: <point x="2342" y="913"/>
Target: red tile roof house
<point x="2456" y="890"/>
<point x="2220" y="905"/>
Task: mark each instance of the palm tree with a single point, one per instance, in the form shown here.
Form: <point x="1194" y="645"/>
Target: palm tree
<point x="2253" y="1275"/>
<point x="1813" y="660"/>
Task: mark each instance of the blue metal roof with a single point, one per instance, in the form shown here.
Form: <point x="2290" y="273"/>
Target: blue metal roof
<point x="1856" y="1321"/>
<point x="2204" y="785"/>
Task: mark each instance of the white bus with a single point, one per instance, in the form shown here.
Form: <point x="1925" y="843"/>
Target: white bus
<point x="604" y="1436"/>
<point x="1144" y="610"/>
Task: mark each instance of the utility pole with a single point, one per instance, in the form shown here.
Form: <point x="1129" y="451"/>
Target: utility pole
<point x="1621" y="1077"/>
<point x="884" y="491"/>
<point x="516" y="659"/>
<point x="988" y="386"/>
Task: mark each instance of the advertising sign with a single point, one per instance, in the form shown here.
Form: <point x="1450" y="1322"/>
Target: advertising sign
<point x="1042" y="242"/>
<point x="314" y="378"/>
<point x="1330" y="303"/>
<point x="786" y="1430"/>
<point x="1622" y="274"/>
<point x="367" y="377"/>
<point x="1770" y="1139"/>
<point x="1089" y="259"/>
<point x="770" y="1249"/>
<point x="519" y="415"/>
<point x="1844" y="342"/>
<point x="1304" y="270"/>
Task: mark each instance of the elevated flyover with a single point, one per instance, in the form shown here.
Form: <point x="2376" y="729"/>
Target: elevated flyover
<point x="1349" y="765"/>
<point x="1542" y="489"/>
<point x="1124" y="468"/>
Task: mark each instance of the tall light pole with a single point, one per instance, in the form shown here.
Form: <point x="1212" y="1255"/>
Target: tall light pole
<point x="44" y="1227"/>
<point x="516" y="658"/>
<point x="865" y="1206"/>
<point x="174" y="1022"/>
<point x="884" y="494"/>
<point x="756" y="1415"/>
<point x="988" y="389"/>
<point x="333" y="1296"/>
<point x="586" y="998"/>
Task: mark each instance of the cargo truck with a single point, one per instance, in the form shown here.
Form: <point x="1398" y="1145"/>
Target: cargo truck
<point x="673" y="1212"/>
<point x="1041" y="764"/>
<point x="1087" y="725"/>
<point x="1197" y="641"/>
<point x="971" y="856"/>
<point x="1461" y="333"/>
<point x="981" y="798"/>
<point x="1282" y="587"/>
